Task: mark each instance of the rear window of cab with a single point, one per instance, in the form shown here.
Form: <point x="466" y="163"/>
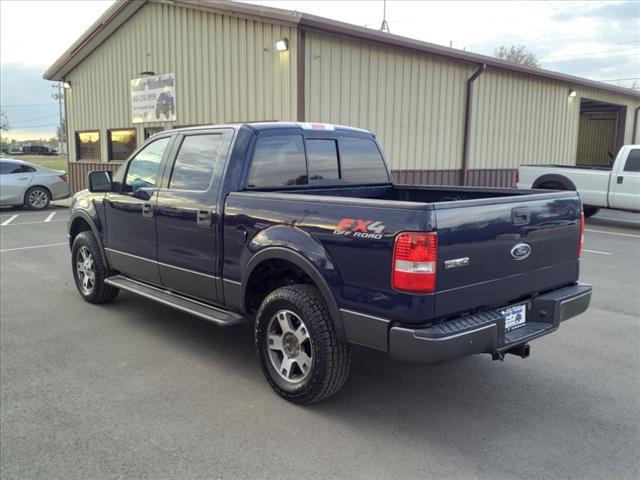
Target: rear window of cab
<point x="292" y="160"/>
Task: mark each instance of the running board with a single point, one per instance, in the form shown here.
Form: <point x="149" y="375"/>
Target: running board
<point x="216" y="315"/>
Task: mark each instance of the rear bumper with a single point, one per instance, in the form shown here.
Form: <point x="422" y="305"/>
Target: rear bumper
<point x="485" y="332"/>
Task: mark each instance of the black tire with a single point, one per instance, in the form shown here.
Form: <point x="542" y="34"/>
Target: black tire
<point x="330" y="358"/>
<point x="37" y="198"/>
<point x="99" y="291"/>
<point x="589" y="211"/>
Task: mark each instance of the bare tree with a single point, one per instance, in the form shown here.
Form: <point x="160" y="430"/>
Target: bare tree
<point x="517" y="54"/>
<point x="4" y="122"/>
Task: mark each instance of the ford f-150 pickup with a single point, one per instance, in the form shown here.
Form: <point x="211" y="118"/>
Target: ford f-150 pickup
<point x="299" y="231"/>
<point x="617" y="187"/>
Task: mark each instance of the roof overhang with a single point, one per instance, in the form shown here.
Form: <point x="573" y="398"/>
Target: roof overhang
<point x="122" y="10"/>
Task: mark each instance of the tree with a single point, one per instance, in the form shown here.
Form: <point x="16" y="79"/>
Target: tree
<point x="517" y="54"/>
<point x="4" y="122"/>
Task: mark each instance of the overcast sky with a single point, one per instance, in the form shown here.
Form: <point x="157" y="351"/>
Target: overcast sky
<point x="594" y="39"/>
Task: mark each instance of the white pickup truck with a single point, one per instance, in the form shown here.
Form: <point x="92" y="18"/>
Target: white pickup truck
<point x="617" y="187"/>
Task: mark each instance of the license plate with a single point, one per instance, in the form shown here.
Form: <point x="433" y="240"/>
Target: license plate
<point x="514" y="317"/>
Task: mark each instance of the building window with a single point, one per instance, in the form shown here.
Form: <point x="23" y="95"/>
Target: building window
<point x="151" y="131"/>
<point x="88" y="145"/>
<point x="122" y="142"/>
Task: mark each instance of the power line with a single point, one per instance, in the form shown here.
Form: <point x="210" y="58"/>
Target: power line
<point x="588" y="59"/>
<point x="628" y="50"/>
<point x="40" y="126"/>
<point x="17" y="105"/>
<point x="34" y="119"/>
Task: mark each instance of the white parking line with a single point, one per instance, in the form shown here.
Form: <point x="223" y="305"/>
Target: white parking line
<point x="35" y="246"/>
<point x="611" y="219"/>
<point x="31" y="223"/>
<point x="611" y="233"/>
<point x="596" y="251"/>
<point x="50" y="217"/>
<point x="9" y="220"/>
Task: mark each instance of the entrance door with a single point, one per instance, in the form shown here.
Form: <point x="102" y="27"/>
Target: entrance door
<point x="130" y="213"/>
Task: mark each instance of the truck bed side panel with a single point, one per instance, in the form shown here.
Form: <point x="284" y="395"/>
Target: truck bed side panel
<point x="363" y="260"/>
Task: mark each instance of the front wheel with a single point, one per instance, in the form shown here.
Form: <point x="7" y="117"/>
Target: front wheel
<point x="295" y="339"/>
<point x="89" y="270"/>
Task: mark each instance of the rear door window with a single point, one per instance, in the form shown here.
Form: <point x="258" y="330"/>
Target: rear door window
<point x="7" y="168"/>
<point x="196" y="161"/>
<point x="361" y="161"/>
<point x="278" y="161"/>
<point x="322" y="158"/>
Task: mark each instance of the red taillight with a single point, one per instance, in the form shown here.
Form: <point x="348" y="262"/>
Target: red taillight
<point x="517" y="177"/>
<point x="64" y="177"/>
<point x="580" y="245"/>
<point x="414" y="262"/>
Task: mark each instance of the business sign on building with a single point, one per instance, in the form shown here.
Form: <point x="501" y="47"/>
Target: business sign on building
<point x="153" y="99"/>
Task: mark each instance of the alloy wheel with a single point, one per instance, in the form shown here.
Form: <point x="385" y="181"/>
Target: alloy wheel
<point x="85" y="270"/>
<point x="289" y="346"/>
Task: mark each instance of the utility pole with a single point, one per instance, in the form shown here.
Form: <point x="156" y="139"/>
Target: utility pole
<point x="60" y="97"/>
<point x="385" y="26"/>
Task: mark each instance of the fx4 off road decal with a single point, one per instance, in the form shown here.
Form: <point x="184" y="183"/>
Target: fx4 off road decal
<point x="353" y="227"/>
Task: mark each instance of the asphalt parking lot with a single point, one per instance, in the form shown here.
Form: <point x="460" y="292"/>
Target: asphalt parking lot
<point x="133" y="390"/>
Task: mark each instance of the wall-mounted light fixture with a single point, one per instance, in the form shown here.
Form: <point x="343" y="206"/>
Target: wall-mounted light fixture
<point x="282" y="45"/>
<point x="66" y="85"/>
<point x="572" y="93"/>
<point x="146" y="74"/>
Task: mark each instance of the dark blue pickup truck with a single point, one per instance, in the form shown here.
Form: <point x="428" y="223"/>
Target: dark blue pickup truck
<point x="298" y="230"/>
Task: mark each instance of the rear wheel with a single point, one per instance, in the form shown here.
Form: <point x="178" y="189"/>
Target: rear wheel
<point x="89" y="270"/>
<point x="37" y="198"/>
<point x="590" y="211"/>
<point x="295" y="339"/>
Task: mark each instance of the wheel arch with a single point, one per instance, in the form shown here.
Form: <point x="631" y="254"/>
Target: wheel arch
<point x="82" y="222"/>
<point x="554" y="178"/>
<point x="299" y="261"/>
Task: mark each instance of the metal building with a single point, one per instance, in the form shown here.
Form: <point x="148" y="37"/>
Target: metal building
<point x="443" y="116"/>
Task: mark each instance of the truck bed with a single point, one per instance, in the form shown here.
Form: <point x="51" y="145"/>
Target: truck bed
<point x="480" y="224"/>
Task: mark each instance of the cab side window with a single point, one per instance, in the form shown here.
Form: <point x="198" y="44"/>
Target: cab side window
<point x="143" y="168"/>
<point x="633" y="161"/>
<point x="278" y="161"/>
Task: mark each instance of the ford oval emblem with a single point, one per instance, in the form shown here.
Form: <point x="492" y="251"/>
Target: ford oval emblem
<point x="521" y="251"/>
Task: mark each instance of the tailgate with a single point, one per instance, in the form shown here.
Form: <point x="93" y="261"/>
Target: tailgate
<point x="492" y="254"/>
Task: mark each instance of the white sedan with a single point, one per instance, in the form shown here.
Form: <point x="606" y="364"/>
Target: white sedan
<point x="34" y="186"/>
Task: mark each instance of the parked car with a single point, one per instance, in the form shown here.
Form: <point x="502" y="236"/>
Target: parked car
<point x="34" y="186"/>
<point x="298" y="230"/>
<point x="617" y="187"/>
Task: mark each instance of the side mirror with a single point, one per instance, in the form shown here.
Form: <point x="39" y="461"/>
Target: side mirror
<point x="100" y="181"/>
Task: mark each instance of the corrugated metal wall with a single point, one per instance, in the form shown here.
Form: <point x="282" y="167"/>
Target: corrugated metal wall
<point x="518" y="120"/>
<point x="227" y="69"/>
<point x="596" y="138"/>
<point x="413" y="103"/>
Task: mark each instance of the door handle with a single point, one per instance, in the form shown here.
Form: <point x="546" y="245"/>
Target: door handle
<point x="620" y="179"/>
<point x="204" y="218"/>
<point x="147" y="210"/>
<point x="520" y="216"/>
<point x="24" y="178"/>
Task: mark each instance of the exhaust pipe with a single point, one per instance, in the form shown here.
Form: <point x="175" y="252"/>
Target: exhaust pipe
<point x="521" y="351"/>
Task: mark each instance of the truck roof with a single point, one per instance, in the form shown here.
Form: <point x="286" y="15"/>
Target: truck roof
<point x="267" y="126"/>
